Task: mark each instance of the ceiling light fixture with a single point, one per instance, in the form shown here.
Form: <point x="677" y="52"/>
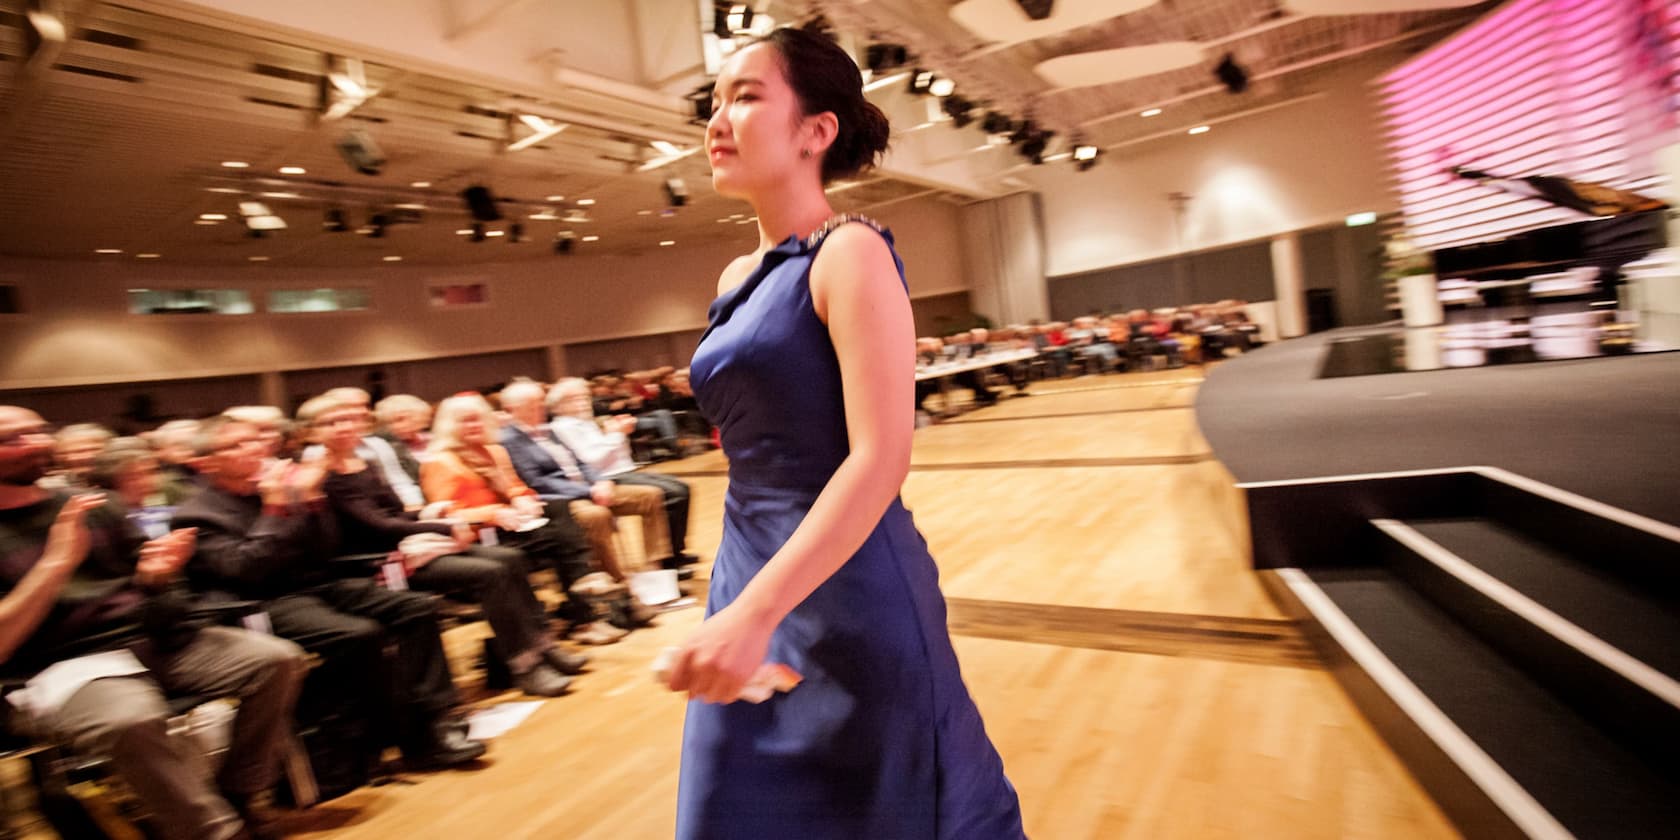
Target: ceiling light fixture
<point x="591" y="238"/>
<point x="1152" y="112"/>
<point x="292" y="170"/>
<point x="393" y="258"/>
<point x="666" y="147"/>
<point x="257" y="259"/>
<point x="235" y="164"/>
<point x="667" y="243"/>
<point x="147" y="256"/>
<point x="349" y="90"/>
<point x="223" y="190"/>
<point x="942" y="87"/>
<point x="585" y="202"/>
<point x="541" y="130"/>
<point x="1200" y="129"/>
<point x="107" y="250"/>
<point x="920" y="81"/>
<point x="213" y="217"/>
<point x="47" y="26"/>
<point x="555" y="198"/>
<point x="420" y="185"/>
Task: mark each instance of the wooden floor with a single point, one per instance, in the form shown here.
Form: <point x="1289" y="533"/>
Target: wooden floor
<point x="1133" y="675"/>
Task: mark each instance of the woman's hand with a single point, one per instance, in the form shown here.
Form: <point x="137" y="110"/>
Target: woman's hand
<point x="507" y="518"/>
<point x="721" y="656"/>
<point x="528" y="506"/>
<point x="463" y="534"/>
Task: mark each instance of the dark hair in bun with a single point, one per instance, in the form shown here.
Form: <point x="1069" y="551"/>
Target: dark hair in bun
<point x="825" y="78"/>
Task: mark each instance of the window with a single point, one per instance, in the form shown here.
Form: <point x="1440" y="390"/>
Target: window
<point x="318" y="300"/>
<point x="189" y="302"/>
<point x="9" y="303"/>
<point x="458" y="294"/>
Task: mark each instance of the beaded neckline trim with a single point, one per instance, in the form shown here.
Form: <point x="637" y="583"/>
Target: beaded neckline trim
<point x="836" y="221"/>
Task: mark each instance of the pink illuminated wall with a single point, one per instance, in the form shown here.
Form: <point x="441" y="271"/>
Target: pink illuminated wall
<point x="1586" y="89"/>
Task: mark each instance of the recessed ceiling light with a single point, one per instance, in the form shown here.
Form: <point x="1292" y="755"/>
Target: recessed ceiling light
<point x="1152" y="112"/>
<point x="280" y="195"/>
<point x="585" y="202"/>
<point x="257" y="259"/>
<point x="725" y="221"/>
<point x="544" y="216"/>
<point x="556" y="198"/>
<point x="737" y="215"/>
<point x="147" y="256"/>
<point x="204" y="221"/>
<point x="1200" y="129"/>
<point x="495" y="233"/>
<point x="107" y="250"/>
<point x="420" y="185"/>
<point x="292" y="170"/>
<point x="229" y="190"/>
<point x="213" y="217"/>
<point x="644" y="212"/>
<point x="590" y="238"/>
<point x="464" y="231"/>
<point x="667" y="243"/>
<point x="235" y="164"/>
<point x="393" y="258"/>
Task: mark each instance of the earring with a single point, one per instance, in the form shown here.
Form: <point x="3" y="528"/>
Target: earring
<point x="804" y="153"/>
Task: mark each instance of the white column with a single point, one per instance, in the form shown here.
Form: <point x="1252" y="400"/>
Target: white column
<point x="1289" y="281"/>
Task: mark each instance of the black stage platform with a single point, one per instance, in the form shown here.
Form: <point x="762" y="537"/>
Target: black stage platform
<point x="1605" y="428"/>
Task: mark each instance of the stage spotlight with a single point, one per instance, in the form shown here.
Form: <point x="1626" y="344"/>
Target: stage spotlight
<point x="1036" y="9"/>
<point x="477" y="232"/>
<point x="563" y="242"/>
<point x="942" y="86"/>
<point x="676" y="192"/>
<point x="960" y="110"/>
<point x="996" y="123"/>
<point x="358" y="149"/>
<point x="1085" y="156"/>
<point x="879" y="57"/>
<point x="1232" y="75"/>
<point x="376" y="225"/>
<point x="335" y="221"/>
<point x="1032" y="148"/>
<point x="1024" y="130"/>
<point x="481" y="203"/>
<point x="516" y="232"/>
<point x="920" y="81"/>
<point x="701" y="99"/>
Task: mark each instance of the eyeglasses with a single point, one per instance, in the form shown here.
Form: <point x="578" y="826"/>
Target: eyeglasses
<point x="235" y="444"/>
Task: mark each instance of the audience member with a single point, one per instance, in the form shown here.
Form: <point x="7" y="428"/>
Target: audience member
<point x="472" y="473"/>
<point x="556" y="473"/>
<point x="73" y="452"/>
<point x="77" y="581"/>
<point x="607" y="452"/>
<point x="405" y="422"/>
<point x="373" y="521"/>
<point x="266" y="532"/>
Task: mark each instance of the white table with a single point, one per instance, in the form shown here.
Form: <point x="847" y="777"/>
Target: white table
<point x="943" y="371"/>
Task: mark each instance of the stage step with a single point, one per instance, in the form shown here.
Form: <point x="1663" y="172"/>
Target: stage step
<point x="1606" y="646"/>
<point x="1547" y="768"/>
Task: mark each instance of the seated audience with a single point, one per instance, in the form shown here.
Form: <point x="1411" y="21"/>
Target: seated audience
<point x="472" y="473"/>
<point x="73" y="452"/>
<point x="172" y="442"/>
<point x="405" y="422"/>
<point x="555" y="472"/>
<point x="76" y="581"/>
<point x="266" y="533"/>
<point x="372" y="520"/>
<point x="607" y="453"/>
<point x="274" y="430"/>
<point x="376" y="450"/>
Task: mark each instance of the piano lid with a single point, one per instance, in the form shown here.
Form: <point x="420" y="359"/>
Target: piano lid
<point x="1583" y="196"/>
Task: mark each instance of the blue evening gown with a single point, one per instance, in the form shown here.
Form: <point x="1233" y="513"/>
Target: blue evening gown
<point x="881" y="740"/>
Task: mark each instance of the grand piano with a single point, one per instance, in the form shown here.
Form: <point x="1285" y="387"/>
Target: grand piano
<point x="1625" y="227"/>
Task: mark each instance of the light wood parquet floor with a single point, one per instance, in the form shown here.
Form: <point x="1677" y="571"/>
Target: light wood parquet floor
<point x="1135" y="678"/>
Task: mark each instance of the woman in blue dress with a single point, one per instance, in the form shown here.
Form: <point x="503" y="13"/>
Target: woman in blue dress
<point x="807" y="369"/>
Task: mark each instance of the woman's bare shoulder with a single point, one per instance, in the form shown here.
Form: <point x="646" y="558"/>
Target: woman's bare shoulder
<point x="736" y="272"/>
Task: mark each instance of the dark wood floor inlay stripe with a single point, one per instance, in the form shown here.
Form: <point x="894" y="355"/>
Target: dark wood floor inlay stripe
<point x="964" y="421"/>
<point x="1257" y="641"/>
<point x="1042" y="463"/>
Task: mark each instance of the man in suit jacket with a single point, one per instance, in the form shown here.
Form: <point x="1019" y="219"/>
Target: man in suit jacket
<point x="267" y="533"/>
<point x="547" y="466"/>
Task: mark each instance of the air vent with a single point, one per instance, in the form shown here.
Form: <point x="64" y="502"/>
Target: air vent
<point x="111" y="39"/>
<point x="485" y="112"/>
<point x="286" y="73"/>
<point x="102" y="74"/>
